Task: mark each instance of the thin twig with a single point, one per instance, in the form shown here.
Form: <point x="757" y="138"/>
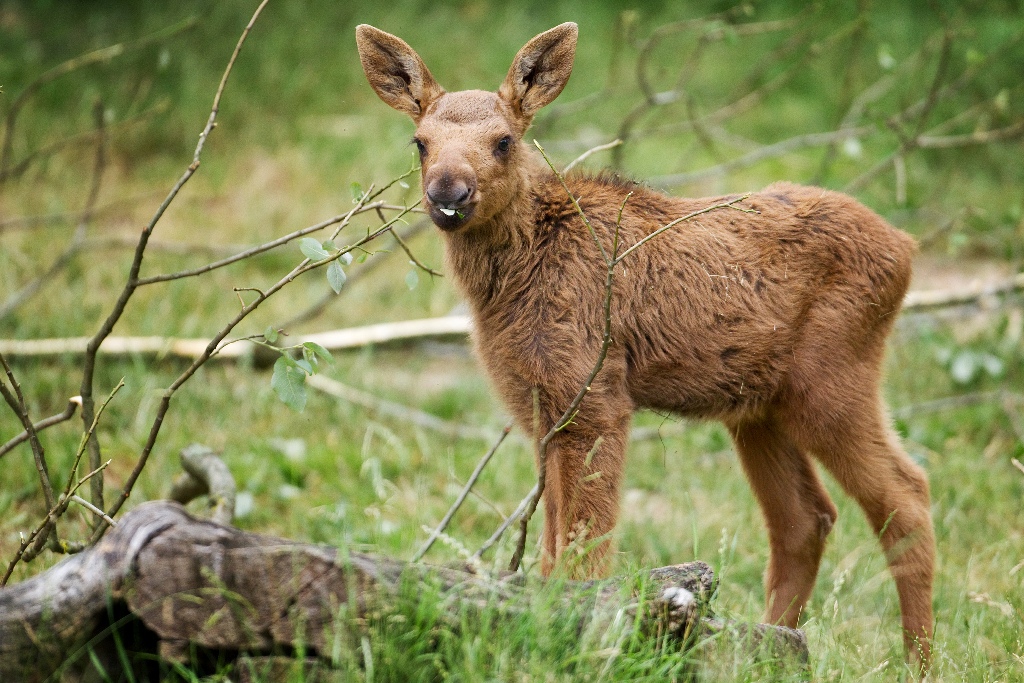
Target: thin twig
<point x="731" y="204"/>
<point x="80" y="138"/>
<point x="754" y="95"/>
<point x="31" y="547"/>
<point x="89" y="364"/>
<point x="329" y="297"/>
<point x="45" y="423"/>
<point x="983" y="137"/>
<point x="93" y="509"/>
<point x="575" y="202"/>
<point x="946" y="403"/>
<point x="443" y="524"/>
<point x="33" y="544"/>
<point x="563" y="421"/>
<point x="267" y="246"/>
<point x="921" y="109"/>
<point x="573" y="409"/>
<point x="500" y="531"/>
<point x="1012" y="405"/>
<point x="412" y="257"/>
<point x="593" y="150"/>
<point x="16" y="400"/>
<point x="214" y="344"/>
<point x="714" y="31"/>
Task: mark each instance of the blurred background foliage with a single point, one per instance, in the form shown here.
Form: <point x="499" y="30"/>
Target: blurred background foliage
<point x="299" y="125"/>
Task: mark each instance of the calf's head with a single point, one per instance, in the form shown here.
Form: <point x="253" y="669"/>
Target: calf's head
<point x="470" y="142"/>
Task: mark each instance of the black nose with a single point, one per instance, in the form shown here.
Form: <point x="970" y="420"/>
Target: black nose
<point x="448" y="192"/>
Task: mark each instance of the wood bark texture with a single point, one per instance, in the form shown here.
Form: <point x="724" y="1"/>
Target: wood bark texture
<point x="193" y="590"/>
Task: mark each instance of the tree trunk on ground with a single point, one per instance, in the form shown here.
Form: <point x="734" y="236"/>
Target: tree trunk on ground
<point x="190" y="590"/>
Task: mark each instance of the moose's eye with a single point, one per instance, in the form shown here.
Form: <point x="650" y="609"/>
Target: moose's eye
<point x="504" y="145"/>
<point x="420" y="147"/>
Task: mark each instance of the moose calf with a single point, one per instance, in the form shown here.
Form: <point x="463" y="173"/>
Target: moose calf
<point x="772" y="320"/>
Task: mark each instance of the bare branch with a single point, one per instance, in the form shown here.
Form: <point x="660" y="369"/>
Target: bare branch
<point x="575" y="203"/>
<point x="31" y="547"/>
<point x="16" y="401"/>
<point x="565" y="419"/>
<point x="93" y="509"/>
<point x="593" y="150"/>
<point x="412" y="257"/>
<point x="946" y="403"/>
<point x="453" y="326"/>
<point x="89" y="365"/>
<point x="25" y="222"/>
<point x="731" y="204"/>
<point x="443" y="524"/>
<point x="171" y="347"/>
<point x="76" y="139"/>
<point x="215" y="343"/>
<point x="318" y="307"/>
<point x="500" y="531"/>
<point x="573" y="409"/>
<point x="342" y="219"/>
<point x="46" y="423"/>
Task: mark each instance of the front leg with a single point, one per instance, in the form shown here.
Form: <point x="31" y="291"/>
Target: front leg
<point x="584" y="470"/>
<point x="583" y="460"/>
<point x="584" y="463"/>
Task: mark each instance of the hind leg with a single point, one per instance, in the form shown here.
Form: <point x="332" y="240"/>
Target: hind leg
<point x="852" y="440"/>
<point x="797" y="512"/>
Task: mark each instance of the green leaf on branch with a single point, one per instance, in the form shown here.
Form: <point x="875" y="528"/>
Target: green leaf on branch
<point x="357" y="192"/>
<point x="412" y="278"/>
<point x="318" y="350"/>
<point x="270" y="335"/>
<point x="289" y="383"/>
<point x="346" y="258"/>
<point x="336" y="276"/>
<point x="312" y="250"/>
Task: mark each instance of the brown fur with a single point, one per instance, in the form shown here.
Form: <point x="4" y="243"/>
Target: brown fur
<point x="772" y="322"/>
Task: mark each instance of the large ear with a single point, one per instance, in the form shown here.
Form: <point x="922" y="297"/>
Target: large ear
<point x="396" y="72"/>
<point x="540" y="70"/>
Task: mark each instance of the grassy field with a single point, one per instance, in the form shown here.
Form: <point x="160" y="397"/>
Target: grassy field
<point x="299" y="125"/>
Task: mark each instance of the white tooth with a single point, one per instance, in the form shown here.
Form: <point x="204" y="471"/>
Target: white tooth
<point x="447" y="212"/>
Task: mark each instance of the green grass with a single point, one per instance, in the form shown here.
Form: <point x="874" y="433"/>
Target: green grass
<point x="299" y="125"/>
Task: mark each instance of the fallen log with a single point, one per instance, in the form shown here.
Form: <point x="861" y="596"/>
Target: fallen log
<point x="164" y="586"/>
